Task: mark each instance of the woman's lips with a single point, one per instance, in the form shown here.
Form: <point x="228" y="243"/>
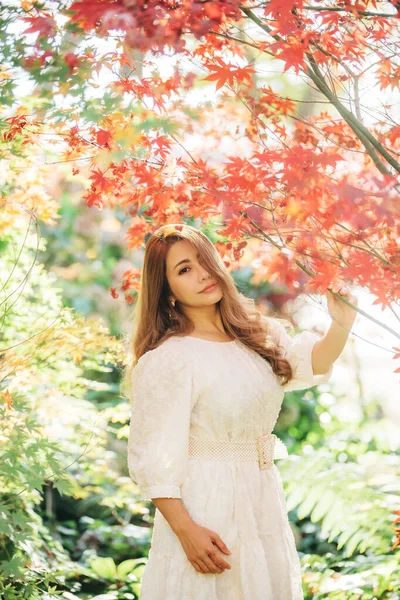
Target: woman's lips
<point x="209" y="289"/>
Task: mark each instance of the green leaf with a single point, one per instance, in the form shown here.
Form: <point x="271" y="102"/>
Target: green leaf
<point x="308" y="504"/>
<point x="33" y="481"/>
<point x="104" y="567"/>
<point x="323" y="506"/>
<point x="64" y="486"/>
<point x="14" y="567"/>
<point x="126" y="567"/>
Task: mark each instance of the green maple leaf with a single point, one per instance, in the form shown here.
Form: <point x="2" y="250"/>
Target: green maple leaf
<point x="64" y="486"/>
<point x="13" y="567"/>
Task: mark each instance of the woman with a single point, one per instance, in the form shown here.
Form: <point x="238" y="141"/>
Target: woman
<point x="207" y="388"/>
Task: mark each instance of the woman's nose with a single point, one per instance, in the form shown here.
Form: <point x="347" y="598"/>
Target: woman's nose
<point x="204" y="275"/>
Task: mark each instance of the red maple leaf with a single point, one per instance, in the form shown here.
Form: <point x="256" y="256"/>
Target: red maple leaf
<point x="292" y="54"/>
<point x="325" y="277"/>
<point x="89" y="13"/>
<point x="44" y="24"/>
<point x="72" y="61"/>
<point x="103" y="138"/>
<point x="106" y="184"/>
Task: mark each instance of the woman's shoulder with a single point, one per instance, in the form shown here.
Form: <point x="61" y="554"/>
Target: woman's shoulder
<point x="168" y="350"/>
<point x="277" y="325"/>
<point x="166" y="365"/>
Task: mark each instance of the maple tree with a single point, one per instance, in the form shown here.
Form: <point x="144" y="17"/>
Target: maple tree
<point x="313" y="199"/>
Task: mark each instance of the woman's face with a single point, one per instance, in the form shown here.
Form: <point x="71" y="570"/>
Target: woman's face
<point x="187" y="278"/>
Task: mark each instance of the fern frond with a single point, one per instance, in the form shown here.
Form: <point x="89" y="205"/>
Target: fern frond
<point x="354" y="502"/>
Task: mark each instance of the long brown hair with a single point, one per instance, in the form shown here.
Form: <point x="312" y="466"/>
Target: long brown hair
<point x="155" y="319"/>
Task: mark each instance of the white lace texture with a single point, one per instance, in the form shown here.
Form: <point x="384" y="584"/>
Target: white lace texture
<point x="160" y="423"/>
<point x="298" y="351"/>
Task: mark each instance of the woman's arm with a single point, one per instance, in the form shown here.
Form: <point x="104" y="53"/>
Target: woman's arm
<point x="160" y="422"/>
<point x="329" y="348"/>
<point x="158" y="449"/>
<point x="175" y="513"/>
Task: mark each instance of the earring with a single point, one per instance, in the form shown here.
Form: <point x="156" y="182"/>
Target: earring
<point x="169" y="314"/>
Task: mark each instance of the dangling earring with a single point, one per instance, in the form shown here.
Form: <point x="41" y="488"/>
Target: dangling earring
<point x="169" y="314"/>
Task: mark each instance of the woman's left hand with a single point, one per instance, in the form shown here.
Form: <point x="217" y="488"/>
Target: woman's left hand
<point x="339" y="310"/>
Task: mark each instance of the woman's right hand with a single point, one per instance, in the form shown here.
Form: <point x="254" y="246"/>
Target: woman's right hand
<point x="200" y="545"/>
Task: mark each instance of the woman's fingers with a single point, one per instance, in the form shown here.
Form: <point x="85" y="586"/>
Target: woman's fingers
<point x="214" y="568"/>
<point x="207" y="565"/>
<point x="218" y="560"/>
<point x="198" y="566"/>
<point x="204" y="567"/>
<point x="340" y="288"/>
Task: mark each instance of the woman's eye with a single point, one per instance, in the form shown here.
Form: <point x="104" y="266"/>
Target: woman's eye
<point x="183" y="269"/>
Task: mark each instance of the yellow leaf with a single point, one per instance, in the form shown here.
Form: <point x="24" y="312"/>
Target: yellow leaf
<point x="127" y="137"/>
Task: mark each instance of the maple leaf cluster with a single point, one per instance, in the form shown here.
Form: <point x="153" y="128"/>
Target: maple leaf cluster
<point x="153" y="25"/>
<point x="317" y="191"/>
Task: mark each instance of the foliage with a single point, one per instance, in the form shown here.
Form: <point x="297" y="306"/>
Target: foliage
<point x="317" y="191"/>
<point x="345" y="492"/>
<point x="361" y="578"/>
<point x="55" y="452"/>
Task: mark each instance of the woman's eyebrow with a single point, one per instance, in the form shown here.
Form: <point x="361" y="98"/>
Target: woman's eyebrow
<point x="184" y="260"/>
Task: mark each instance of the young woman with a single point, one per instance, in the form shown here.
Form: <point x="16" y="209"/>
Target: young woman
<point x="208" y="380"/>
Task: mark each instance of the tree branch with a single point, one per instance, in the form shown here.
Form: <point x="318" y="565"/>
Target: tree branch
<point x="367" y="139"/>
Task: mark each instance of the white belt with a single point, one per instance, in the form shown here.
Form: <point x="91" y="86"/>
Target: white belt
<point x="263" y="449"/>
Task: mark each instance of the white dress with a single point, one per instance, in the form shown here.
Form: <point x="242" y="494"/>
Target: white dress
<point x="219" y="390"/>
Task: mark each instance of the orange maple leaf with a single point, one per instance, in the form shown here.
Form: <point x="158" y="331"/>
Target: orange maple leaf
<point x="7" y="397"/>
<point x="230" y="73"/>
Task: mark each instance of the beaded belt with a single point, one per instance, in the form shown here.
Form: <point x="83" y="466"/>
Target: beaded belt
<point x="263" y="449"/>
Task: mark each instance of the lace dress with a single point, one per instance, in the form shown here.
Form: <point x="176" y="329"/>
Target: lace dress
<point x="216" y="390"/>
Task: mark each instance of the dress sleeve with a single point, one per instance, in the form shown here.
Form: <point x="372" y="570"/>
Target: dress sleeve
<point x="160" y="422"/>
<point x="298" y="351"/>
